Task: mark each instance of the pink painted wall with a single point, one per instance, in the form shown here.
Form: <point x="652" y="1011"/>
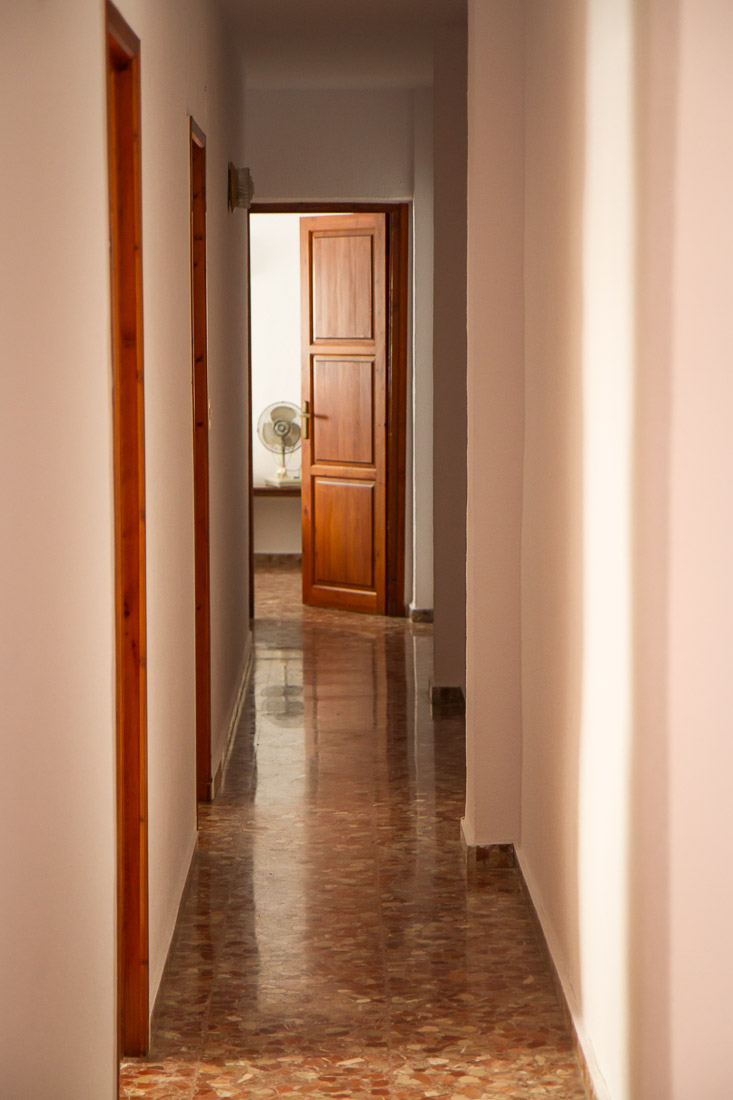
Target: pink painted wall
<point x="700" y="607"/>
<point x="681" y="901"/>
<point x="576" y="545"/>
<point x="627" y="533"/>
<point x="649" y="909"/>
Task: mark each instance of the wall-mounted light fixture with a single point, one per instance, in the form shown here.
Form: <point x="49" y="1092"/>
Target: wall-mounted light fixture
<point x="240" y="187"/>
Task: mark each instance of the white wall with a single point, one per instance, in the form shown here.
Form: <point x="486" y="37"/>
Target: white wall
<point x="495" y="419"/>
<point x="320" y="145"/>
<point x="58" y="996"/>
<point x="275" y="294"/>
<point x="552" y="525"/>
<point x="449" y="359"/>
<point x="576" y="623"/>
<point x="421" y="419"/>
<point x="277" y="525"/>
<point x="187" y="68"/>
<point x="566" y="133"/>
<point x="609" y="368"/>
<point x="275" y="297"/>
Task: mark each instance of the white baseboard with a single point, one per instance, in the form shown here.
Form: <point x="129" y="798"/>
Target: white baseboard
<point x="593" y="1078"/>
<point x="156" y="974"/>
<point x="218" y="771"/>
<point x="468" y="836"/>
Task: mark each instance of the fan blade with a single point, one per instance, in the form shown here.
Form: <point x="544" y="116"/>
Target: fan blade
<point x="269" y="436"/>
<point x="292" y="439"/>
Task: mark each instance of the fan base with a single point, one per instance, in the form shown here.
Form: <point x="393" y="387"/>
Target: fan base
<point x="282" y="482"/>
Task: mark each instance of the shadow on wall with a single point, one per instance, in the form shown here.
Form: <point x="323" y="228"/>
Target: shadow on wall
<point x="649" y="934"/>
<point x="553" y="565"/>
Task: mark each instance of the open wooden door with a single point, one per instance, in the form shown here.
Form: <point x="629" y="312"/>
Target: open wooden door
<point x="344" y="389"/>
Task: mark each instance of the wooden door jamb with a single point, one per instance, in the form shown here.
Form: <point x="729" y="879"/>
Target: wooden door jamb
<point x="123" y="113"/>
<point x="199" y="385"/>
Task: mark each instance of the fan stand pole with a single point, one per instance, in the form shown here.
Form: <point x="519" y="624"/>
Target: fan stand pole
<point x="282" y="473"/>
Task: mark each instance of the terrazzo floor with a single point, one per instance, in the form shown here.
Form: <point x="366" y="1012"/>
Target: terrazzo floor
<point x="334" y="943"/>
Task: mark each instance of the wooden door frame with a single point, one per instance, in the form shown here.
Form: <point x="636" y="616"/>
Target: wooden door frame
<point x="251" y="491"/>
<point x="398" y="230"/>
<point x="200" y="403"/>
<point x="125" y="212"/>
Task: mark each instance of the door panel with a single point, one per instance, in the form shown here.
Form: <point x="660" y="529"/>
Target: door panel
<point x="343" y="274"/>
<point x="344" y="350"/>
<point x="343" y="506"/>
<point x="343" y="384"/>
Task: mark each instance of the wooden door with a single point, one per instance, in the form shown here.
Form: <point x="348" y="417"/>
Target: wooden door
<point x="344" y="389"/>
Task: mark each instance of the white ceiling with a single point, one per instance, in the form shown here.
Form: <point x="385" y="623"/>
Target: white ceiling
<point x="340" y="43"/>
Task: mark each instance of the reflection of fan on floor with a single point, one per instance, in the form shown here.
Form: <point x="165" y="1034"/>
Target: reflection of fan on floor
<point x="279" y="430"/>
<point x="283" y="702"/>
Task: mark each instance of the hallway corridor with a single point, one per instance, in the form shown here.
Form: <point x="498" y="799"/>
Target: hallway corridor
<point x="333" y="943"/>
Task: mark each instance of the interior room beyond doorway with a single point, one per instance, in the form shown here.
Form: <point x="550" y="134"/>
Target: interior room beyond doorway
<point x="275" y="334"/>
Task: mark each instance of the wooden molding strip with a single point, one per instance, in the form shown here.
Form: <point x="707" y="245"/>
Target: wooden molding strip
<point x="125" y="217"/>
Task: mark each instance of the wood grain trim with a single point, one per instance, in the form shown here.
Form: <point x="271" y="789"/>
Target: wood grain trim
<point x="123" y="113"/>
<point x="397" y="260"/>
<point x="306" y="386"/>
<point x="249" y="434"/>
<point x="197" y="134"/>
<point x="199" y="381"/>
<point x="335" y="595"/>
<point x="353" y="472"/>
<point x="125" y="39"/>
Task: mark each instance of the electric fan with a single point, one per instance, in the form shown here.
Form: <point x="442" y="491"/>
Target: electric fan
<point x="279" y="431"/>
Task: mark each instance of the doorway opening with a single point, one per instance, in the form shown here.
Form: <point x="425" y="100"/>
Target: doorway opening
<point x="291" y="364"/>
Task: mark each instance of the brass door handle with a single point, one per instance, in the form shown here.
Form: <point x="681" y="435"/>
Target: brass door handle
<point x="305" y="415"/>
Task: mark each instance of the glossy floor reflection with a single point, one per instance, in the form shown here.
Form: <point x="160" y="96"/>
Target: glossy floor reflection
<point x="333" y="944"/>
